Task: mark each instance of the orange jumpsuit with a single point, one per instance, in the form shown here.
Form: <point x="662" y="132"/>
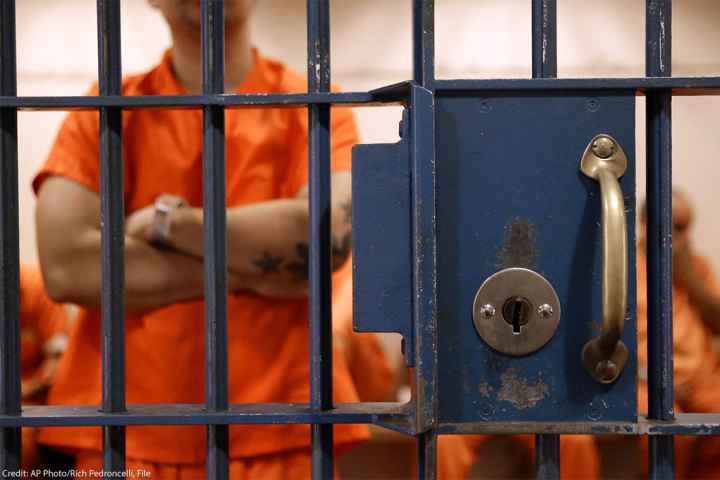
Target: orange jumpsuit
<point x="268" y="339"/>
<point x="696" y="366"/>
<point x="43" y="324"/>
<point x="578" y="455"/>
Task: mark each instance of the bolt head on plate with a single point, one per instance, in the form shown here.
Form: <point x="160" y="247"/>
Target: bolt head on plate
<point x="545" y="310"/>
<point x="603" y="147"/>
<point x="603" y="153"/>
<point x="606" y="370"/>
<point x="487" y="311"/>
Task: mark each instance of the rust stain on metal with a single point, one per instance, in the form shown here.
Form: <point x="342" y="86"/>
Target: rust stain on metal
<point x="518" y="391"/>
<point x="485" y="389"/>
<point x="519" y="246"/>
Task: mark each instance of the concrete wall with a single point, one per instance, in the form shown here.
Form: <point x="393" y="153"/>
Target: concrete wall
<point x="57" y="54"/>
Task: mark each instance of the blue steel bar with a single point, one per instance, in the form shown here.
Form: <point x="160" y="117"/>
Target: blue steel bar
<point x="678" y="85"/>
<point x="197" y="414"/>
<point x="658" y="63"/>
<point x="392" y="415"/>
<point x="113" y="233"/>
<point x="9" y="249"/>
<point x="423" y="16"/>
<point x="424" y="42"/>
<point x="547" y="456"/>
<point x="544" y="65"/>
<point x="320" y="273"/>
<point x="427" y="455"/>
<point x="228" y="100"/>
<point x="544" y="38"/>
<point x="421" y="120"/>
<point x="215" y="237"/>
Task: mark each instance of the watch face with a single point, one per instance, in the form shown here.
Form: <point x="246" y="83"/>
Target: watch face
<point x="164" y="205"/>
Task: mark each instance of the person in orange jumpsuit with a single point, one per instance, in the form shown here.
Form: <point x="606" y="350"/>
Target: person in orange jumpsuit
<point x="43" y="338"/>
<point x="696" y="319"/>
<point x="267" y="219"/>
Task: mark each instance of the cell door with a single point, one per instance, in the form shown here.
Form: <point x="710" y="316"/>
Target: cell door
<point x="498" y="238"/>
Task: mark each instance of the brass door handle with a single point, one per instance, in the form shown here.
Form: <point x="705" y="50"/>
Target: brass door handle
<point x="604" y="356"/>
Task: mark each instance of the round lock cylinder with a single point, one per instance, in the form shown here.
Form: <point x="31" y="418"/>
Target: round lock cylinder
<point x="516" y="311"/>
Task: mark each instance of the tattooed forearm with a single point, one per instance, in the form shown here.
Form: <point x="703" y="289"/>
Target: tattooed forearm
<point x="301" y="266"/>
<point x="341" y="250"/>
<point x="340" y="253"/>
<point x="268" y="263"/>
<point x="347" y="211"/>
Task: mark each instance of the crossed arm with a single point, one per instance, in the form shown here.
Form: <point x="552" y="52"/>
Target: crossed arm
<point x="267" y="247"/>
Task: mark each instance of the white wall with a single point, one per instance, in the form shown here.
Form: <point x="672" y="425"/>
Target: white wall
<point x="372" y="47"/>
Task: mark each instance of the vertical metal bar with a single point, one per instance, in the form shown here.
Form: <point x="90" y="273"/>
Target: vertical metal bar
<point x="423" y="16"/>
<point x="215" y="236"/>
<point x="318" y="44"/>
<point x="544" y="38"/>
<point x="544" y="65"/>
<point x="658" y="62"/>
<point x="427" y="455"/>
<point x="547" y="457"/>
<point x="424" y="42"/>
<point x="421" y="120"/>
<point x="9" y="245"/>
<point x="113" y="233"/>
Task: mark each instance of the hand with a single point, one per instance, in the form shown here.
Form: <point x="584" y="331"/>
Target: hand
<point x="139" y="223"/>
<point x="37" y="385"/>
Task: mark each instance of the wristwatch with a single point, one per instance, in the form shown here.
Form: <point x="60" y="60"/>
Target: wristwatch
<point x="164" y="206"/>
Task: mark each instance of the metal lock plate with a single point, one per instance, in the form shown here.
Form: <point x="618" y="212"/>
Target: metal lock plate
<point x="553" y="226"/>
<point x="516" y="311"/>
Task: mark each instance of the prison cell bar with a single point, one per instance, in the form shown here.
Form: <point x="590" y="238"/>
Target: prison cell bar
<point x="423" y="15"/>
<point x="112" y="233"/>
<point x="423" y="36"/>
<point x="544" y="65"/>
<point x="9" y="245"/>
<point x="658" y="62"/>
<point x="544" y="39"/>
<point x="678" y="86"/>
<point x="215" y="237"/>
<point x="319" y="266"/>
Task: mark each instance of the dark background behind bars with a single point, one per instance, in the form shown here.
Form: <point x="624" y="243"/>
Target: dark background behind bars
<point x="320" y="411"/>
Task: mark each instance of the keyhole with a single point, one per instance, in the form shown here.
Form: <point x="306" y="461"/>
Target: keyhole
<point x="516" y="312"/>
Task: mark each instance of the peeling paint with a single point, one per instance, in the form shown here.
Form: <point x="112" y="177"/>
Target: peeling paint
<point x="519" y="247"/>
<point x="518" y="391"/>
<point x="661" y="44"/>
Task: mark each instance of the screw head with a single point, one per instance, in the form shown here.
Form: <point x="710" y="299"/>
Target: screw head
<point x="487" y="311"/>
<point x="604" y="147"/>
<point x="545" y="310"/>
<point x="485" y="106"/>
<point x="606" y="370"/>
<point x="593" y="105"/>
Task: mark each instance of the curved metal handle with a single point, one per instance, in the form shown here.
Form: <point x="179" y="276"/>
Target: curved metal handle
<point x="604" y="356"/>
